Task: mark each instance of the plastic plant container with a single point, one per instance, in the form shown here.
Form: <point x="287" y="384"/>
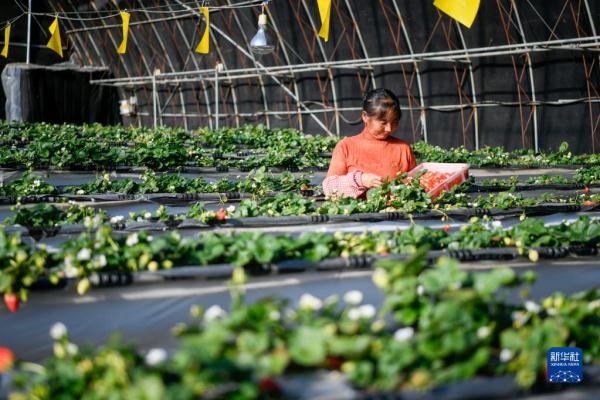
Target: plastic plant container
<point x="458" y="174"/>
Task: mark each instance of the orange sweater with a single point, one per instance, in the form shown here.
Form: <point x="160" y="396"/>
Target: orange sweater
<point x="363" y="153"/>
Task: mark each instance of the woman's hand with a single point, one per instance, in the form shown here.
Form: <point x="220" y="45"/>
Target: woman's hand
<point x="371" y="180"/>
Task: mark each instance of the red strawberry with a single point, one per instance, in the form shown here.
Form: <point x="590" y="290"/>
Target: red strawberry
<point x="431" y="179"/>
<point x="7" y="358"/>
<point x="12" y="301"/>
<point x="586" y="189"/>
<point x="268" y="385"/>
<point x="446" y="228"/>
<point x="221" y="214"/>
<point x="590" y="203"/>
<point x="334" y="362"/>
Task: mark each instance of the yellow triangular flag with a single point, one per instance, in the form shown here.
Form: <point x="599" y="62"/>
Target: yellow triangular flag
<point x="123" y="47"/>
<point x="6" y="41"/>
<point x="55" y="43"/>
<point x="203" y="46"/>
<point x="464" y="11"/>
<point x="325" y="13"/>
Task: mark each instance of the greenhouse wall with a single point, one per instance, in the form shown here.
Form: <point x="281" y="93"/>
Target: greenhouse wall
<point x="524" y="69"/>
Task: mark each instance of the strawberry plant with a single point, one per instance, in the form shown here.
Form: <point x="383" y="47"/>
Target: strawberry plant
<point x="26" y="185"/>
<point x="20" y="267"/>
<point x="437" y="325"/>
<point x="280" y="205"/>
<point x="96" y="251"/>
<point x="258" y="182"/>
<point x="46" y="215"/>
<point x="95" y="146"/>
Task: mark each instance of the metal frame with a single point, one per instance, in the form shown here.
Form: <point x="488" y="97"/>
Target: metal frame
<point x="443" y="56"/>
<point x="417" y="71"/>
<point x="231" y="31"/>
<point x="462" y="56"/>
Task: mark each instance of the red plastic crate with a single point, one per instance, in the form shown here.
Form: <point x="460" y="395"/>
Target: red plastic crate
<point x="458" y="174"/>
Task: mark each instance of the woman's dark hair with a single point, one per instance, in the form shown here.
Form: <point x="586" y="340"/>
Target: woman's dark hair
<point x="382" y="104"/>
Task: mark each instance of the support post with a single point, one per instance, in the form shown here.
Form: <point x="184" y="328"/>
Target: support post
<point x="154" y="100"/>
<point x="29" y="33"/>
<point x="218" y="67"/>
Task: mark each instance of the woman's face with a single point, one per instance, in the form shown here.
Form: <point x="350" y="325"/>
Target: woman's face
<point x="380" y="128"/>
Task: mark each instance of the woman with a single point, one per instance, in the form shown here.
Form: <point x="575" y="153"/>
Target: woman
<point x="366" y="160"/>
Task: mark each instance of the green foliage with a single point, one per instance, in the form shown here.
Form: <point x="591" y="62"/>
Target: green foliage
<point x="94" y="147"/>
<point x="462" y="328"/>
<point x="96" y="249"/>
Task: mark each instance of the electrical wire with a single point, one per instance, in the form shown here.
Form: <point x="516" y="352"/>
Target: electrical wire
<point x="11" y="21"/>
<point x="164" y="9"/>
<point x="161" y="9"/>
<point x="23" y="8"/>
<point x="167" y="8"/>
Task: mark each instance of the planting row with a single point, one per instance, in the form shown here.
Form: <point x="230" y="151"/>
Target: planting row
<point x="437" y="325"/>
<point x="499" y="157"/>
<point x="21" y="264"/>
<point x="388" y="198"/>
<point x="223" y="140"/>
<point x="93" y="147"/>
<point x="96" y="148"/>
<point x="256" y="182"/>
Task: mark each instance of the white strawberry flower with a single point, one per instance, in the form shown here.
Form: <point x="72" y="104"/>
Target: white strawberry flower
<point x="58" y="330"/>
<point x="274" y="315"/>
<point x="506" y="355"/>
<point x="367" y="311"/>
<point x="353" y="297"/>
<point x="70" y="271"/>
<point x="310" y="302"/>
<point x="354" y="314"/>
<point x="519" y="317"/>
<point x="483" y="332"/>
<point x="72" y="349"/>
<point x="84" y="254"/>
<point x="147" y="215"/>
<point x="532" y="307"/>
<point x="156" y="356"/>
<point x="214" y="312"/>
<point x="132" y="239"/>
<point x="99" y="261"/>
<point x="592" y="305"/>
<point x="404" y="334"/>
<point x="116" y="219"/>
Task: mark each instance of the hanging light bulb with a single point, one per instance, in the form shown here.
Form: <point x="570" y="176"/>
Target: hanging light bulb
<point x="261" y="43"/>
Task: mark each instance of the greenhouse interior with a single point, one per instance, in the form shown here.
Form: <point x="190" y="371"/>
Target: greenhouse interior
<point x="300" y="199"/>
